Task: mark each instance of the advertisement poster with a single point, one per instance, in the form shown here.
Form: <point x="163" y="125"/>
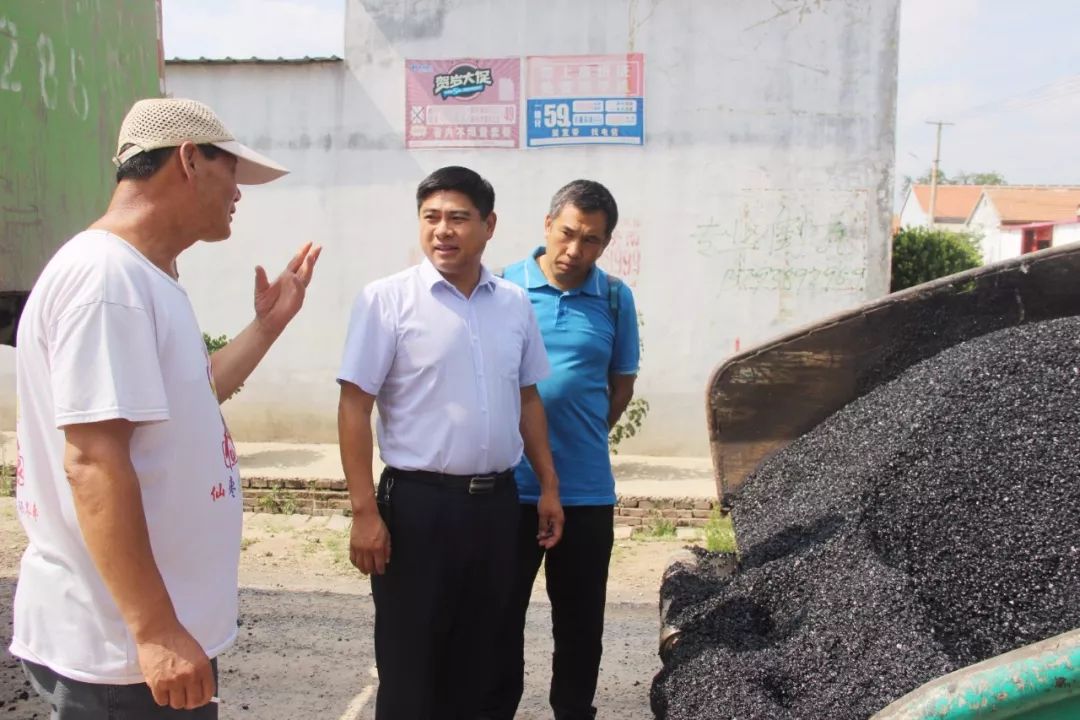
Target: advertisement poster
<point x="585" y="100"/>
<point x="464" y="103"/>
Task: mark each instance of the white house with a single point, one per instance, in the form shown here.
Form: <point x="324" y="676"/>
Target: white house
<point x="953" y="206"/>
<point x="1013" y="220"/>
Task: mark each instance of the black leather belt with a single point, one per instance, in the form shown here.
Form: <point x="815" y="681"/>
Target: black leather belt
<point x="472" y="484"/>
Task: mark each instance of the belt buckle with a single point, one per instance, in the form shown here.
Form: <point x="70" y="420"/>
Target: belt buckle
<point x="481" y="484"/>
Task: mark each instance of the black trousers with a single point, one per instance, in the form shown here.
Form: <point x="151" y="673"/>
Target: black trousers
<point x="437" y="605"/>
<point x="576" y="571"/>
<point x="76" y="700"/>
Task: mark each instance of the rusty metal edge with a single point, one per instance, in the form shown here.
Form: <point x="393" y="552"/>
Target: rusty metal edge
<point x="919" y="291"/>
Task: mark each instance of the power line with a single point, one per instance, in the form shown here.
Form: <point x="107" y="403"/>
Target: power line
<point x="1056" y="90"/>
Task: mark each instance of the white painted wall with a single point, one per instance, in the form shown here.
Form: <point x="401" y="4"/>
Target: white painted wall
<point x="912" y="214"/>
<point x="1066" y="233"/>
<point x="762" y="197"/>
<point x="1010" y="243"/>
<point x="986" y="222"/>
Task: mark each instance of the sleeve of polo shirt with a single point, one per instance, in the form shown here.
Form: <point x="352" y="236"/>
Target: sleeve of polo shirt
<point x="534" y="359"/>
<point x="370" y="343"/>
<point x="626" y="355"/>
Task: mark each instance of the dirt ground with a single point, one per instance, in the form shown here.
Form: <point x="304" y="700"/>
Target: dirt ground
<point x="305" y="645"/>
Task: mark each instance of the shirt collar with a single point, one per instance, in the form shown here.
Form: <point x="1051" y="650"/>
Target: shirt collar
<point x="433" y="277"/>
<point x="596" y="282"/>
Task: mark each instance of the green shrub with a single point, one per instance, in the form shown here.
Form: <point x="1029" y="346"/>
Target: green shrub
<point x="923" y="254"/>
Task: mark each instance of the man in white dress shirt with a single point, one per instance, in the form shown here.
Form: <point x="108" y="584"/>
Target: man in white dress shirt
<point x="451" y="355"/>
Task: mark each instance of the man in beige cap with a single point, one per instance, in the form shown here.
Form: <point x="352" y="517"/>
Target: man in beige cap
<point x="127" y="481"/>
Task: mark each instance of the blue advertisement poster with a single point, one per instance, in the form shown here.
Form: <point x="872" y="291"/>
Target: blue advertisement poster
<point x="585" y="100"/>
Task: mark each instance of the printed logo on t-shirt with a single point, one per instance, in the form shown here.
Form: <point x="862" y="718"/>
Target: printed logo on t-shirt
<point x="26" y="508"/>
<point x="20" y="471"/>
<point x="230" y="461"/>
<point x="228" y="447"/>
<point x="228" y="451"/>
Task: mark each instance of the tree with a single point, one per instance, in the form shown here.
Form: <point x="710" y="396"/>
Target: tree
<point x="961" y="178"/>
<point x="923" y="254"/>
<point x="213" y="344"/>
<point x="981" y="178"/>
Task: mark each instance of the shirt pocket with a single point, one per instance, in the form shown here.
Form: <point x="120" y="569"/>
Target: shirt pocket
<point x="508" y="354"/>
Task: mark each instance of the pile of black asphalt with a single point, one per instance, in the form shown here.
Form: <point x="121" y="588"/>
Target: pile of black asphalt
<point x="930" y="524"/>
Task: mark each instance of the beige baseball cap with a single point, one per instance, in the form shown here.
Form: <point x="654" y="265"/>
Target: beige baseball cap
<point x="169" y="122"/>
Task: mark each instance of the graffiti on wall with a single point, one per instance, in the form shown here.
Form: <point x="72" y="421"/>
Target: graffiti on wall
<point x="59" y="73"/>
<point x="622" y="258"/>
<point x="791" y="241"/>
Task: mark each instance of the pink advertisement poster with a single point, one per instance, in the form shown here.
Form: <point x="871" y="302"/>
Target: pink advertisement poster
<point x="462" y="103"/>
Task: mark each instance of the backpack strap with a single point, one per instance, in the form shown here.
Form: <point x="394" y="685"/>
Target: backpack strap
<point x="613" y="297"/>
<point x="614" y="285"/>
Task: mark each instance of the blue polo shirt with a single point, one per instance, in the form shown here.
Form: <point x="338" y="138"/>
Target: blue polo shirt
<point x="584" y="347"/>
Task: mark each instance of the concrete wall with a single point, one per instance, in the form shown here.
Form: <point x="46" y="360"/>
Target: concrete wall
<point x="760" y="201"/>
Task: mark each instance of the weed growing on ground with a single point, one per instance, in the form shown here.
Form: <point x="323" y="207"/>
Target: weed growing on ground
<point x="661" y="527"/>
<point x="277" y="501"/>
<point x="719" y="533"/>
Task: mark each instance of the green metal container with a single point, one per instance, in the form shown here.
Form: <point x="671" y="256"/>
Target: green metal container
<point x="69" y="70"/>
<point x="1036" y="682"/>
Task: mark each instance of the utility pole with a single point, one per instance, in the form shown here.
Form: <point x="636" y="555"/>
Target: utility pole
<point x="934" y="172"/>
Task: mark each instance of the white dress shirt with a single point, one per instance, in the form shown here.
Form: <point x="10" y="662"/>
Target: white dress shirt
<point x="446" y="370"/>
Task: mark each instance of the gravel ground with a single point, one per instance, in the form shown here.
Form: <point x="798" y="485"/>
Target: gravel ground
<point x="305" y="645"/>
<point x="927" y="526"/>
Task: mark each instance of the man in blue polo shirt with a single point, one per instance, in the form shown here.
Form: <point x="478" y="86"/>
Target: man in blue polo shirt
<point x="589" y="326"/>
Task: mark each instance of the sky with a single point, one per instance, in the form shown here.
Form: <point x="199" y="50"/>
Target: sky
<point x="1006" y="72"/>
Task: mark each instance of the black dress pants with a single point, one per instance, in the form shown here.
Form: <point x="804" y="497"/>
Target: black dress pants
<point x="438" y="604"/>
<point x="576" y="571"/>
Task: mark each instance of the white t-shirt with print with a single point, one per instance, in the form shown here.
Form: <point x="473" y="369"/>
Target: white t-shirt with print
<point x="105" y="335"/>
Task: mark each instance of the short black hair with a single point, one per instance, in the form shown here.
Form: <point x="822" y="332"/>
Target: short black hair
<point x="145" y="164"/>
<point x="587" y="196"/>
<point x="459" y="179"/>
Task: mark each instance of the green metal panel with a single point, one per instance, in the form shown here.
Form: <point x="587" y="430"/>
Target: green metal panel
<point x="69" y="70"/>
<point x="1037" y="682"/>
